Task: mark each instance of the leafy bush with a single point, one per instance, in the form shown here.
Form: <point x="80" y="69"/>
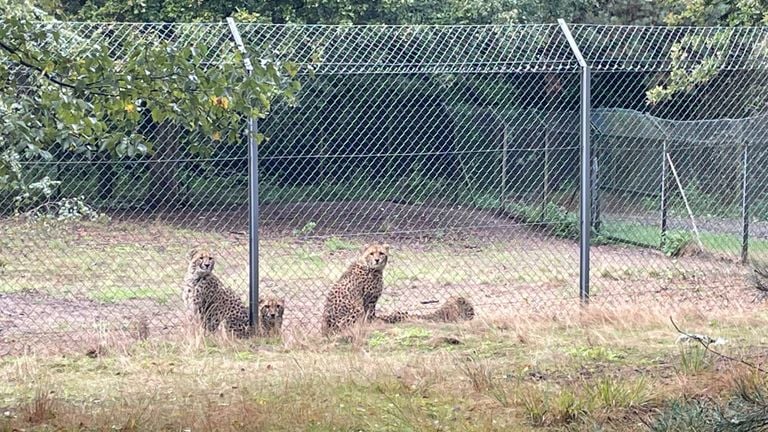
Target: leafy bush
<point x="684" y="416"/>
<point x="65" y="210"/>
<point x="745" y="410"/>
<point x="556" y="219"/>
<point x="674" y="242"/>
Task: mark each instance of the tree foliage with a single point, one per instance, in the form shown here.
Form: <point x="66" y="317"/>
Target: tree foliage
<point x="64" y="91"/>
<point x="370" y="12"/>
<point x="698" y="58"/>
<point x="716" y="13"/>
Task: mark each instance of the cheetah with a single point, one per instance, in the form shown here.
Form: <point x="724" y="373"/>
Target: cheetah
<point x="208" y="301"/>
<point x="271" y="310"/>
<point x="354" y="295"/>
<point x="455" y="309"/>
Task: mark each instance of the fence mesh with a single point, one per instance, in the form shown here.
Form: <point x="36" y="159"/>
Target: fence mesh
<point x="457" y="145"/>
<point x="671" y="171"/>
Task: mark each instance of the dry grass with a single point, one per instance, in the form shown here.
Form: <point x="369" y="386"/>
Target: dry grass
<point x="533" y="359"/>
<point x="610" y="369"/>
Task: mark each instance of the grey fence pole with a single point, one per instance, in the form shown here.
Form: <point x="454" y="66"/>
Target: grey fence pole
<point x="664" y="205"/>
<point x="744" y="197"/>
<point x="253" y="193"/>
<point x="545" y="184"/>
<point x="664" y="199"/>
<point x="585" y="205"/>
<point x="595" y="185"/>
<point x="504" y="151"/>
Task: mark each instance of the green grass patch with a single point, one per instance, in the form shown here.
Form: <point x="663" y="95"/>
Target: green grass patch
<point x="335" y="244"/>
<point x="118" y="294"/>
<point x="694" y="359"/>
<point x="560" y="222"/>
<point x="596" y="353"/>
<point x="727" y="244"/>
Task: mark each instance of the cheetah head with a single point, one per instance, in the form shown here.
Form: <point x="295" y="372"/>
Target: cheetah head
<point x="375" y="256"/>
<point x="201" y="261"/>
<point x="464" y="307"/>
<point x="271" y="311"/>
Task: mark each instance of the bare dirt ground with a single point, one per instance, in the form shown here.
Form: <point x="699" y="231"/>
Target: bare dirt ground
<point x="54" y="297"/>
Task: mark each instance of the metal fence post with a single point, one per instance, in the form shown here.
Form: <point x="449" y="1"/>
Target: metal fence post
<point x="663" y="190"/>
<point x="595" y="185"/>
<point x="585" y="205"/>
<point x="504" y="151"/>
<point x="253" y="192"/>
<point x="664" y="198"/>
<point x="744" y="196"/>
<point x="545" y="183"/>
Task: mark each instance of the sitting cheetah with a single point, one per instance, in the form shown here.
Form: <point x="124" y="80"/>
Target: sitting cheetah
<point x="271" y="310"/>
<point x="353" y="297"/>
<point x="455" y="309"/>
<point x="208" y="301"/>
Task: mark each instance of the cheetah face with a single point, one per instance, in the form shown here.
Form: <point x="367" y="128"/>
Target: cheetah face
<point x="375" y="256"/>
<point x="201" y="262"/>
<point x="271" y="309"/>
<point x="466" y="310"/>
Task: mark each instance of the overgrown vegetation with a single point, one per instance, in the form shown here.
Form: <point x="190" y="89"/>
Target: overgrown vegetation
<point x="553" y="218"/>
<point x="673" y="243"/>
<point x="743" y="408"/>
<point x="398" y="378"/>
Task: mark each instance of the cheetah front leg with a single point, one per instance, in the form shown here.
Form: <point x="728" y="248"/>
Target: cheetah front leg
<point x="238" y="324"/>
<point x="211" y="317"/>
<point x="341" y="317"/>
<point x="369" y="309"/>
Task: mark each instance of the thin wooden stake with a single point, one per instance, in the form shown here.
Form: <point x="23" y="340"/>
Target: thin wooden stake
<point x="685" y="200"/>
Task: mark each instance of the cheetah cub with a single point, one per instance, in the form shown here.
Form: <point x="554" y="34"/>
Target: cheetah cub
<point x="455" y="309"/>
<point x="271" y="310"/>
<point x="207" y="301"/>
<point x="353" y="297"/>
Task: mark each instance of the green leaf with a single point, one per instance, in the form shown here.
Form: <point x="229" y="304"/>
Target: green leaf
<point x="292" y="69"/>
<point x="158" y="116"/>
<point x="260" y="138"/>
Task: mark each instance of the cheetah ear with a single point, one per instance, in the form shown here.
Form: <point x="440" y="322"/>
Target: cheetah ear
<point x="192" y="252"/>
<point x="386" y="247"/>
<point x="261" y="300"/>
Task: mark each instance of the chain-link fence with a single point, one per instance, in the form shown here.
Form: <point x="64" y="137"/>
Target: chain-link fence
<point x="678" y="130"/>
<point x="460" y="146"/>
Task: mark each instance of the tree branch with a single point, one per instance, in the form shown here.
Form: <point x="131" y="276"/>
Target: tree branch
<point x="707" y="343"/>
<point x="15" y="52"/>
<point x="47" y="75"/>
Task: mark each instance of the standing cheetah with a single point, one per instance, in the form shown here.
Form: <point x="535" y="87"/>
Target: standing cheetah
<point x="353" y="297"/>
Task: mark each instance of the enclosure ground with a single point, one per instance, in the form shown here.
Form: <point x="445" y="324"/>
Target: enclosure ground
<point x="77" y="284"/>
<point x="613" y="371"/>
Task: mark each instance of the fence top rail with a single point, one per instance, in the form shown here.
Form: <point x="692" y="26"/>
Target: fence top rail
<point x="315" y="25"/>
<point x="636" y="124"/>
<point x="345" y="49"/>
<point x="656" y="48"/>
<point x="501" y="48"/>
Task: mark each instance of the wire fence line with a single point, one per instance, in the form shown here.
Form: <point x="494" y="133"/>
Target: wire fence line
<point x="461" y="146"/>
